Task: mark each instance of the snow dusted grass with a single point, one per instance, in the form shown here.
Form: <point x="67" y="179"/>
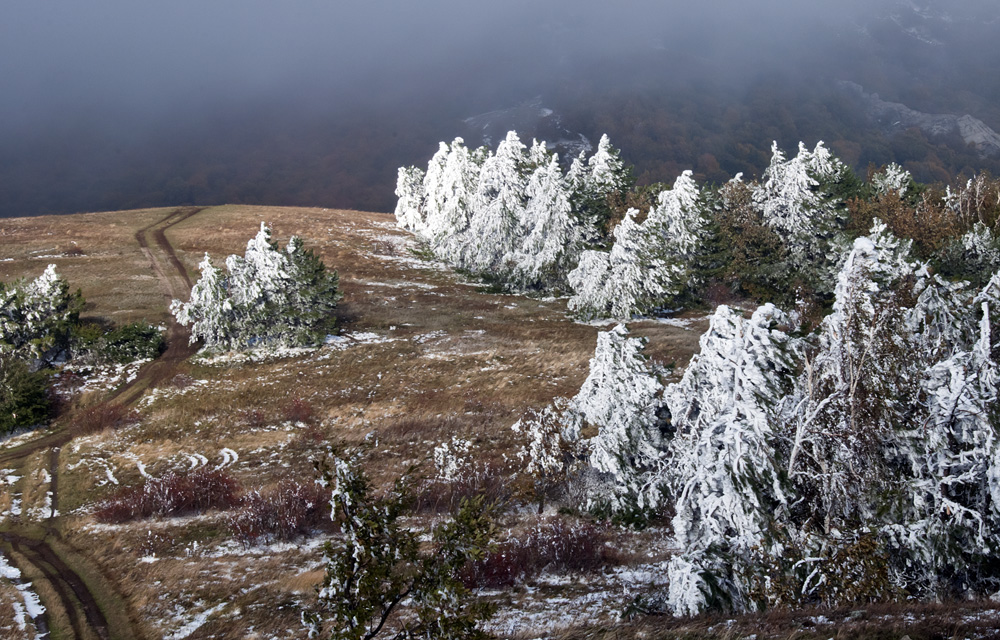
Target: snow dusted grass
<point x="422" y="358"/>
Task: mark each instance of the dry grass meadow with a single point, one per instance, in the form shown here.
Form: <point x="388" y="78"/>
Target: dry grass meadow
<point x="424" y="356"/>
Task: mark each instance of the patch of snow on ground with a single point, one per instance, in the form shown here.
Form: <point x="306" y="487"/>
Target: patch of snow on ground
<point x="195" y="622"/>
<point x="32" y="605"/>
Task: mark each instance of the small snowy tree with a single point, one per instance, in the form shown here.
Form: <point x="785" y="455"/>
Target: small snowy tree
<point x="36" y="317"/>
<point x="793" y="204"/>
<point x="722" y="469"/>
<point x="551" y="239"/>
<point x="410" y="206"/>
<point x="268" y="298"/>
<point x="592" y="183"/>
<point x="592" y="294"/>
<point x="857" y="385"/>
<point x="497" y="207"/>
<point x="892" y="179"/>
<point x="450" y="187"/>
<point x="650" y="263"/>
<point x="948" y="528"/>
<point x="620" y="397"/>
<point x="676" y="229"/>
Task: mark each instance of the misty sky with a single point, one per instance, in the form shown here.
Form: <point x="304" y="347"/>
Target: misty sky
<point x="106" y="74"/>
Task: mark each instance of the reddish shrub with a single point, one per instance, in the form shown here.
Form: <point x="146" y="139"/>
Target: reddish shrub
<point x="253" y="418"/>
<point x="173" y="494"/>
<point x="281" y="513"/>
<point x="103" y="416"/>
<point x="298" y="410"/>
<point x="556" y="545"/>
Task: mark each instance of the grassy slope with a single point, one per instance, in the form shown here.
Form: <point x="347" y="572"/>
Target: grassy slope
<point x="448" y="361"/>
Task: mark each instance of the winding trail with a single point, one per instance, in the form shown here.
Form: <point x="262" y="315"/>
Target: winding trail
<point x="39" y="555"/>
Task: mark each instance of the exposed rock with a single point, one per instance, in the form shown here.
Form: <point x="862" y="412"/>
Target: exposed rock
<point x="895" y="116"/>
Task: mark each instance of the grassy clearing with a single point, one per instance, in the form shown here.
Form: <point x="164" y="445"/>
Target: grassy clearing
<point x="434" y="359"/>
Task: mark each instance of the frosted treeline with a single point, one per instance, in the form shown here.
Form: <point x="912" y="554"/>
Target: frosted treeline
<point x="516" y="218"/>
<point x="854" y="461"/>
<point x="514" y="215"/>
<point x="267" y="298"/>
<point x="36" y="316"/>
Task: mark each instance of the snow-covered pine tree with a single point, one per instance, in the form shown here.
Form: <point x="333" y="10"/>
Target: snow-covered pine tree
<point x="649" y="263"/>
<point x="677" y="228"/>
<point x="857" y="386"/>
<point x="722" y="468"/>
<point x="36" y="317"/>
<point x="620" y="397"/>
<point x="948" y="526"/>
<point x="410" y="206"/>
<point x="268" y="298"/>
<point x="589" y="282"/>
<point x="450" y="189"/>
<point x="592" y="183"/>
<point x="892" y="179"/>
<point x="209" y="310"/>
<point x="790" y="202"/>
<point x="551" y="241"/>
<point x="497" y="208"/>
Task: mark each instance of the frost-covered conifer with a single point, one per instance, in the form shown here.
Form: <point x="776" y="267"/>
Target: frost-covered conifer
<point x="36" y="316"/>
<point x="551" y="239"/>
<point x="791" y="203"/>
<point x="862" y="355"/>
<point x="649" y="263"/>
<point x="620" y="398"/>
<point x="589" y="282"/>
<point x="410" y="206"/>
<point x="892" y="179"/>
<point x="722" y="469"/>
<point x="607" y="171"/>
<point x="676" y="229"/>
<point x="268" y="298"/>
<point x="209" y="310"/>
<point x="950" y="520"/>
<point x="939" y="321"/>
<point x="450" y="187"/>
<point x="497" y="207"/>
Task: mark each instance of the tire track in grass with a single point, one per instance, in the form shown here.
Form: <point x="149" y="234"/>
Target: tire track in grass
<point x="85" y="615"/>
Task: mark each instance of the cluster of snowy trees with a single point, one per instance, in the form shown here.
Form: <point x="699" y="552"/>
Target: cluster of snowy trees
<point x="37" y="317"/>
<point x="855" y="461"/>
<point x="267" y="298"/>
<point x="513" y="216"/>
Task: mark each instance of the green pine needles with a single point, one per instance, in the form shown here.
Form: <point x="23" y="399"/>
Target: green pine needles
<point x="382" y="579"/>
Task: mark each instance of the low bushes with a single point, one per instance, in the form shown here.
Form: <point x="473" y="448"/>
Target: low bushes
<point x="281" y="513"/>
<point x="172" y="495"/>
<point x="119" y="345"/>
<point x="555" y="545"/>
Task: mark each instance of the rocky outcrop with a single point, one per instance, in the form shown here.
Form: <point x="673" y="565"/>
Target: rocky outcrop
<point x="895" y="116"/>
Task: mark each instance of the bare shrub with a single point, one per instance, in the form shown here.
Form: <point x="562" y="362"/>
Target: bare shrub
<point x="555" y="545"/>
<point x="281" y="513"/>
<point x="444" y="496"/>
<point x="253" y="418"/>
<point x="298" y="410"/>
<point x="171" y="495"/>
<point x="101" y="417"/>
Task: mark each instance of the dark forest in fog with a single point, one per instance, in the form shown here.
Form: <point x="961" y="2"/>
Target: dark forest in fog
<point x="115" y="106"/>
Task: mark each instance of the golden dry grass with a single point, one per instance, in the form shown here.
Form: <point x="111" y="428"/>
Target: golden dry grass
<point x="448" y="361"/>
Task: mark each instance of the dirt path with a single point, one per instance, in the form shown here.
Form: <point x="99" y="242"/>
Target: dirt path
<point x="75" y="599"/>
